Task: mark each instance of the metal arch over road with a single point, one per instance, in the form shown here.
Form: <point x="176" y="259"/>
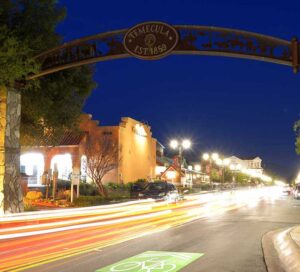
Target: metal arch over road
<point x="192" y="40"/>
<point x="148" y="40"/>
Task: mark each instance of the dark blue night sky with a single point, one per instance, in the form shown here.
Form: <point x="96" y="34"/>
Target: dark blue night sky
<point x="228" y="105"/>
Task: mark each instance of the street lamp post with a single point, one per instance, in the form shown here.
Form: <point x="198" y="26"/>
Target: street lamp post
<point x="220" y="162"/>
<point x="185" y="144"/>
<point x="223" y="163"/>
<point x="210" y="158"/>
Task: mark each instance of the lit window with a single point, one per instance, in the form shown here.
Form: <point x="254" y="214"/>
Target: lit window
<point x="83" y="167"/>
<point x="63" y="164"/>
<point x="32" y="164"/>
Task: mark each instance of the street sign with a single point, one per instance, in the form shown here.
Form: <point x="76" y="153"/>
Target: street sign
<point x="154" y="261"/>
<point x="150" y="40"/>
<point x="75" y="179"/>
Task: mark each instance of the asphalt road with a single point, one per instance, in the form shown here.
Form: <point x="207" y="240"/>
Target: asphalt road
<point x="230" y="241"/>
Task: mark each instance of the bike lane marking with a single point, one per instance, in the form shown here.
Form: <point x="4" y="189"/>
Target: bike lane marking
<point x="153" y="261"/>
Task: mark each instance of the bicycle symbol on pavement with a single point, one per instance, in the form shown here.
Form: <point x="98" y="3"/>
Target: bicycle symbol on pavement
<point x="145" y="266"/>
<point x="153" y="261"/>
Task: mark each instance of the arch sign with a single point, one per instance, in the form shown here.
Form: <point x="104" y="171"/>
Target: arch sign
<point x="154" y="40"/>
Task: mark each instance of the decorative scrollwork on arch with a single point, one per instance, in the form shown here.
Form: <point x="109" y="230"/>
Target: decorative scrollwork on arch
<point x="230" y="42"/>
<point x="197" y="40"/>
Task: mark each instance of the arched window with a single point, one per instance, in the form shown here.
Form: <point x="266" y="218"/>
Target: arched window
<point x="83" y="167"/>
<point x="32" y="164"/>
<point x="63" y="164"/>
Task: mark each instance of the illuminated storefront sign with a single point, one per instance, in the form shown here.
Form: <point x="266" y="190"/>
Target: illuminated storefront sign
<point x="140" y="130"/>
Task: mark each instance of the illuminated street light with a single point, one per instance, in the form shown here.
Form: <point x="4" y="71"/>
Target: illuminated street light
<point x="174" y="144"/>
<point x="186" y="144"/>
<point x="215" y="158"/>
<point x="210" y="158"/>
<point x="205" y="156"/>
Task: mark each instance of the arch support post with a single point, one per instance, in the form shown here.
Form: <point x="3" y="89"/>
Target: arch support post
<point x="11" y="196"/>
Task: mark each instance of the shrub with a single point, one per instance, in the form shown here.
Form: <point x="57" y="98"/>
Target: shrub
<point x="63" y="185"/>
<point x="206" y="186"/>
<point x="118" y="186"/>
<point x="34" y="195"/>
<point x="114" y="190"/>
<point x="140" y="183"/>
<point x="30" y="208"/>
<point x="84" y="201"/>
<point x="117" y="191"/>
<point x="64" y="194"/>
<point x="87" y="189"/>
<point x="60" y="194"/>
<point x="112" y="186"/>
<point x="116" y="195"/>
<point x="141" y="180"/>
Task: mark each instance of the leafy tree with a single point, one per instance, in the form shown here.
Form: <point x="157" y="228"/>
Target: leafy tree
<point x="215" y="176"/>
<point x="52" y="103"/>
<point x="14" y="61"/>
<point x="228" y="175"/>
<point x="241" y="178"/>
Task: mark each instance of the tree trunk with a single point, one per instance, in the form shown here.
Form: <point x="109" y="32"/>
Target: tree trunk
<point x="10" y="113"/>
<point x="101" y="189"/>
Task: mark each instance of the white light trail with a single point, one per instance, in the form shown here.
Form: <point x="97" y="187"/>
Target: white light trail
<point x="110" y="222"/>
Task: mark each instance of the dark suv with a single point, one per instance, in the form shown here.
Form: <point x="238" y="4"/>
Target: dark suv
<point x="137" y="188"/>
<point x="160" y="190"/>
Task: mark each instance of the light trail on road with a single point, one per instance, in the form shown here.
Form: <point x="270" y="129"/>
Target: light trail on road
<point x="33" y="239"/>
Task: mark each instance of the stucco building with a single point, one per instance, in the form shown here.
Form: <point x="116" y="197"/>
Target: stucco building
<point x="136" y="152"/>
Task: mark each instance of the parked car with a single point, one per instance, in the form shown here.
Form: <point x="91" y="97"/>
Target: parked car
<point x="161" y="190"/>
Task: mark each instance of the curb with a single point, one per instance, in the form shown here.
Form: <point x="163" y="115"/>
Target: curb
<point x="271" y="257"/>
<point x="281" y="253"/>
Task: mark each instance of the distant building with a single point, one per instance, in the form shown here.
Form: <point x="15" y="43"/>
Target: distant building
<point x="251" y="164"/>
<point x="162" y="161"/>
<point x="169" y="169"/>
<point x="136" y="159"/>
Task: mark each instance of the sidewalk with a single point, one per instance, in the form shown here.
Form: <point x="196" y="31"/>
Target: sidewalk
<point x="282" y="250"/>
